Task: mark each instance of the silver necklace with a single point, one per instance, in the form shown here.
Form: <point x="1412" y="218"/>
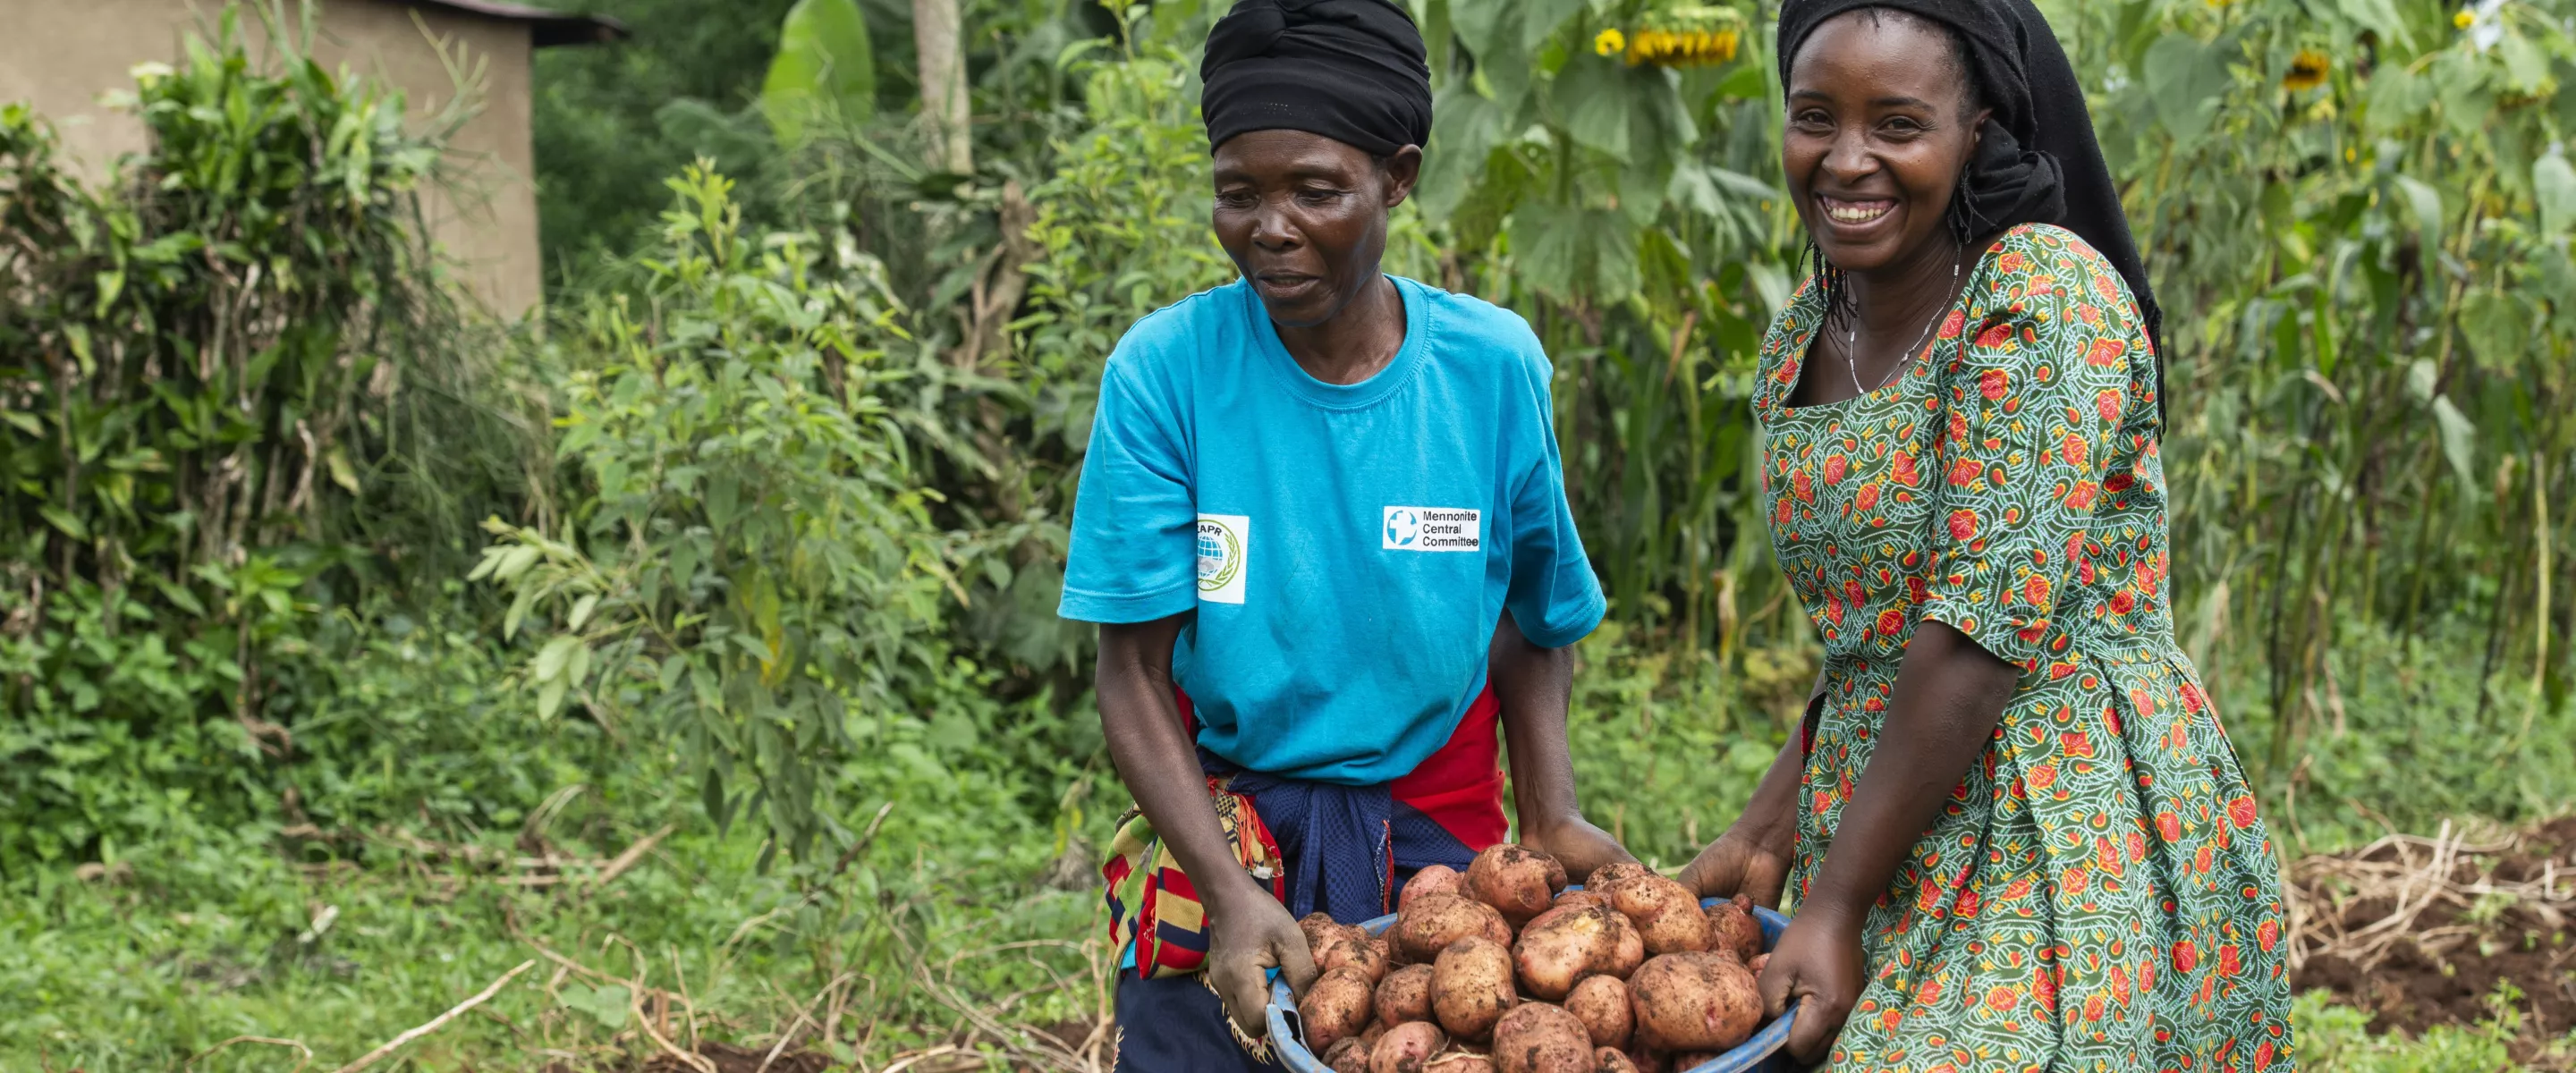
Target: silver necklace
<point x="1851" y="339"/>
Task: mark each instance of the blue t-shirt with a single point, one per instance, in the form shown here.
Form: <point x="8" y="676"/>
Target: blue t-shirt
<point x="1348" y="548"/>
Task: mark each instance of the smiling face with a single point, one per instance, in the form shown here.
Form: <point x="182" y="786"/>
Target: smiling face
<point x="1881" y="122"/>
<point x="1304" y="217"/>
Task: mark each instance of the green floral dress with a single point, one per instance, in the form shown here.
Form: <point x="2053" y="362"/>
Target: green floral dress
<point x="2098" y="893"/>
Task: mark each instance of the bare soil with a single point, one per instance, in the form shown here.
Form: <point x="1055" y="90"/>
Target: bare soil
<point x="2421" y="933"/>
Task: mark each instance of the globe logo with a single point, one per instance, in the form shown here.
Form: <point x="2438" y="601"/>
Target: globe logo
<point x="1403" y="527"/>
<point x="1211" y="553"/>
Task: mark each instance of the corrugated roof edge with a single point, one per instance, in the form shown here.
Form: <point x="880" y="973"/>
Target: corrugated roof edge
<point x="549" y="28"/>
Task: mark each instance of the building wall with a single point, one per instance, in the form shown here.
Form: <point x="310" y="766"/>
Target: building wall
<point x="60" y="56"/>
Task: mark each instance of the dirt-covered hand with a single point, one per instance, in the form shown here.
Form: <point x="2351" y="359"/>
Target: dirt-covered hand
<point x="1738" y="864"/>
<point x="1576" y="844"/>
<point x="1246" y="936"/>
<point x="1817" y="963"/>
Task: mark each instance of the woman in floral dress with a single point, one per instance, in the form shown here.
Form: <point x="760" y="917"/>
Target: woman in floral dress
<point x="2016" y="835"/>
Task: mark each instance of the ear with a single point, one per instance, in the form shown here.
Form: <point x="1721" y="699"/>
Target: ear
<point x="1403" y="169"/>
<point x="1977" y="129"/>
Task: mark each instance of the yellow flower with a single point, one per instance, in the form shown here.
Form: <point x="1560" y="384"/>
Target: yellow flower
<point x="1609" y="41"/>
<point x="1692" y="48"/>
<point x="2307" y="71"/>
<point x="2462" y="18"/>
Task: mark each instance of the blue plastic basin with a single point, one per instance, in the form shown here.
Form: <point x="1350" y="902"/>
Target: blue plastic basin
<point x="1760" y="1054"/>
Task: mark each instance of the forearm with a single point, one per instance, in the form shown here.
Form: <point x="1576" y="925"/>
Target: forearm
<point x="1949" y="696"/>
<point x="1535" y="686"/>
<point x="1770" y="819"/>
<point x="1157" y="760"/>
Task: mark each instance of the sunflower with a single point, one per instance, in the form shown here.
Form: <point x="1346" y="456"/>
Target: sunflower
<point x="2307" y="71"/>
<point x="1609" y="42"/>
<point x="1685" y="48"/>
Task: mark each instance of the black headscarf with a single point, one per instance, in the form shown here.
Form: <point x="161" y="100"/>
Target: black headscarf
<point x="1350" y="70"/>
<point x="2037" y="160"/>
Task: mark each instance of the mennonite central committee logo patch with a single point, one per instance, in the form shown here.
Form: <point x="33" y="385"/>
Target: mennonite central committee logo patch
<point x="1224" y="547"/>
<point x="1433" y="529"/>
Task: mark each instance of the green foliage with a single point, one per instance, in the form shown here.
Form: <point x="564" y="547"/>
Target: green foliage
<point x="238" y="396"/>
<point x="824" y="67"/>
<point x="753" y="565"/>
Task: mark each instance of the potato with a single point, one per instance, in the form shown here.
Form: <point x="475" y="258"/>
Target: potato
<point x="1601" y="1003"/>
<point x="1755" y="966"/>
<point x="1648" y="894"/>
<point x="1675" y="928"/>
<point x="1518" y="881"/>
<point x="1320" y="928"/>
<point x="1471" y="986"/>
<point x="1336" y="1008"/>
<point x="1406" y="1048"/>
<point x="1385" y="948"/>
<point x="1432" y="879"/>
<point x="1405" y="995"/>
<point x="1611" y="1060"/>
<point x="1694" y="1002"/>
<point x="1732" y="928"/>
<point x="1627" y="950"/>
<point x="1457" y="1061"/>
<point x="1539" y="1038"/>
<point x="1688" y="1060"/>
<point x="1562" y="946"/>
<point x="1648" y="1061"/>
<point x="1433" y="921"/>
<point x="1615" y="873"/>
<point x="1368" y="1039"/>
<point x="1347" y="1056"/>
<point x="1353" y="950"/>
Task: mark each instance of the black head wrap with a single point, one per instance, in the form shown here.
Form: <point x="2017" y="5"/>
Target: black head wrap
<point x="1350" y="70"/>
<point x="2037" y="160"/>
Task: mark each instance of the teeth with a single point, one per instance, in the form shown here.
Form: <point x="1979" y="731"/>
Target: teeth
<point x="1853" y="214"/>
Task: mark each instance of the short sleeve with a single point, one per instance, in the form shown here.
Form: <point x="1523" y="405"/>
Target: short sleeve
<point x="1134" y="515"/>
<point x="1553" y="597"/>
<point x="2035" y="388"/>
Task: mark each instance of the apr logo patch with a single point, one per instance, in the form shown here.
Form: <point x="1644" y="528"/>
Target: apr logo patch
<point x="1225" y="549"/>
<point x="1433" y="529"/>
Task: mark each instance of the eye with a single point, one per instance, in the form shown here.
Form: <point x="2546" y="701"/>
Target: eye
<point x="1903" y="126"/>
<point x="1234" y="199"/>
<point x="1812" y="120"/>
<point x="1319" y="197"/>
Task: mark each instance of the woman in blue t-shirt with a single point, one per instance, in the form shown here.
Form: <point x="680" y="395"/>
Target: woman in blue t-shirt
<point x="1323" y="525"/>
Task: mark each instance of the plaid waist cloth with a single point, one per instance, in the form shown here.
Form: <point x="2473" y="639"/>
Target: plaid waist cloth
<point x="1345" y="850"/>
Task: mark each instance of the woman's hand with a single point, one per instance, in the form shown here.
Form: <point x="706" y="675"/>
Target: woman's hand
<point x="1818" y="964"/>
<point x="1247" y="934"/>
<point x="1739" y="863"/>
<point x="1576" y="844"/>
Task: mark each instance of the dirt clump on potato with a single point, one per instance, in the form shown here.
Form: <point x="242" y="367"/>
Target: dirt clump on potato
<point x="1733" y="929"/>
<point x="1471" y="986"/>
<point x="1537" y="1037"/>
<point x="1611" y="1060"/>
<point x="1433" y="921"/>
<point x="1601" y="1003"/>
<point x="1432" y="879"/>
<point x="1337" y="1007"/>
<point x="1518" y="881"/>
<point x="1694" y="1001"/>
<point x="1405" y="995"/>
<point x="1347" y="1055"/>
<point x="1406" y="1048"/>
<point x="1562" y="946"/>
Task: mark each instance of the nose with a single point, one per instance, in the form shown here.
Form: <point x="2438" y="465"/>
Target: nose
<point x="1270" y="227"/>
<point x="1848" y="159"/>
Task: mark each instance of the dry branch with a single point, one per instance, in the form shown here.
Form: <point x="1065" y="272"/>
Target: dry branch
<point x="438" y="1022"/>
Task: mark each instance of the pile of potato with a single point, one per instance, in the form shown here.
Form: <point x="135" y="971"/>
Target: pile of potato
<point x="1503" y="969"/>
